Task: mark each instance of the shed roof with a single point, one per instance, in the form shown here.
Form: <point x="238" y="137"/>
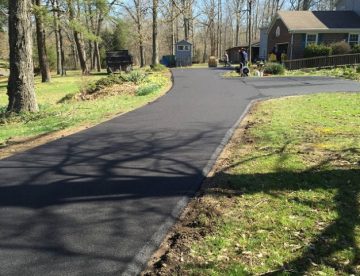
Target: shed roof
<point x="183" y="42"/>
<point x="319" y="20"/>
<point x="255" y="44"/>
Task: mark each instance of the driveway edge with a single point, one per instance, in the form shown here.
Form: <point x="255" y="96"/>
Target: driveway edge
<point x="137" y="265"/>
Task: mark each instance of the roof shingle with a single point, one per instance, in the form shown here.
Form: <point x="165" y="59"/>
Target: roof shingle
<point x="319" y="20"/>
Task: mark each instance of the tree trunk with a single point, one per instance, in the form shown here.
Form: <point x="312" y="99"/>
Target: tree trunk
<point x="205" y="46"/>
<point x="75" y="55"/>
<point x="172" y="28"/>
<point x="41" y="44"/>
<point x="57" y="41"/>
<point x="78" y="41"/>
<point x="61" y="40"/>
<point x="21" y="91"/>
<point x="155" y="42"/>
<point x="60" y="53"/>
<point x="142" y="55"/>
<point x="97" y="56"/>
<point x="139" y="21"/>
<point x="96" y="44"/>
<point x="237" y="30"/>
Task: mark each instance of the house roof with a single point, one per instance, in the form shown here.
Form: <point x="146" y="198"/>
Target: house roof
<point x="297" y="21"/>
<point x="255" y="44"/>
<point x="183" y="42"/>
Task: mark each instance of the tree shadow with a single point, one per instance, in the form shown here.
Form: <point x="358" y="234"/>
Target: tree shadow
<point x="92" y="205"/>
<point x="339" y="235"/>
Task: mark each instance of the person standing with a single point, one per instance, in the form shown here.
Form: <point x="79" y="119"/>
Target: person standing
<point x="226" y="60"/>
<point x="246" y="57"/>
<point x="243" y="57"/>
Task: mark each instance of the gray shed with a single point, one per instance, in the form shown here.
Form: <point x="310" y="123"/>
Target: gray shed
<point x="183" y="53"/>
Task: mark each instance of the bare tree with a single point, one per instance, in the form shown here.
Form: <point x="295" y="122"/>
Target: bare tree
<point x="237" y="6"/>
<point x="77" y="37"/>
<point x="137" y="11"/>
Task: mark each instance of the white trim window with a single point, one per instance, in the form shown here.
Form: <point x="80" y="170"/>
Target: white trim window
<point x="353" y="39"/>
<point x="183" y="48"/>
<point x="311" y="39"/>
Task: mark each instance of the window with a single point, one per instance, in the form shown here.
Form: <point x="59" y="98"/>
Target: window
<point x="183" y="47"/>
<point x="353" y="39"/>
<point x="311" y="39"/>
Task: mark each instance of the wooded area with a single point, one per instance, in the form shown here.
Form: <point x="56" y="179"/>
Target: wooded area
<point x="69" y="34"/>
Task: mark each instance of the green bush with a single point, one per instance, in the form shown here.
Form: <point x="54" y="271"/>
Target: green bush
<point x="350" y="73"/>
<point x="274" y="68"/>
<point x="147" y="89"/>
<point x="356" y="49"/>
<point x="94" y="87"/>
<point x="315" y="50"/>
<point x="135" y="76"/>
<point x="158" y="68"/>
<point x="358" y="69"/>
<point x="340" y="48"/>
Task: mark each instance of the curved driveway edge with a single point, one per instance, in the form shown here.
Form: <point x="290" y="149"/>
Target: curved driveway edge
<point x="101" y="201"/>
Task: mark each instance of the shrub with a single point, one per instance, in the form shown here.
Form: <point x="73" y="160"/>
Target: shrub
<point x="356" y="49"/>
<point x="315" y="50"/>
<point x="102" y="83"/>
<point x="135" y="76"/>
<point x="110" y="80"/>
<point x="213" y="62"/>
<point x="147" y="89"/>
<point x="349" y="73"/>
<point x="158" y="67"/>
<point x="358" y="69"/>
<point x="274" y="68"/>
<point x="340" y="48"/>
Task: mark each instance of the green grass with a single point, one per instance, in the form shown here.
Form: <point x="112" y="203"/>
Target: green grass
<point x="55" y="116"/>
<point x="348" y="72"/>
<point x="288" y="194"/>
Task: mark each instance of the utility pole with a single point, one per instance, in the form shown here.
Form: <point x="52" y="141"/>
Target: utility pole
<point x="250" y="12"/>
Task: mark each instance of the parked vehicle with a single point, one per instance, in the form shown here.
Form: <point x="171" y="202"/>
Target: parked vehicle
<point x="119" y="60"/>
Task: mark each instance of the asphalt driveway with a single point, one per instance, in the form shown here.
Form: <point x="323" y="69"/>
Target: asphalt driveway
<point x="100" y="201"/>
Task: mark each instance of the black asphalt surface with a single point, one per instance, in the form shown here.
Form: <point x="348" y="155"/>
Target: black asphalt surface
<point x="99" y="202"/>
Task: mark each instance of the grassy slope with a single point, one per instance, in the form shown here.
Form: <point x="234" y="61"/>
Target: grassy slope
<point x="55" y="116"/>
<point x="286" y="199"/>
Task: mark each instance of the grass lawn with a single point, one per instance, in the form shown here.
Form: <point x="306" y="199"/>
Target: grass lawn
<point x="54" y="116"/>
<point x="284" y="199"/>
<point x="347" y="72"/>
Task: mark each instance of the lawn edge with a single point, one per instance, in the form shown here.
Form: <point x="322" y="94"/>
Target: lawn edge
<point x="41" y="139"/>
<point x="167" y="242"/>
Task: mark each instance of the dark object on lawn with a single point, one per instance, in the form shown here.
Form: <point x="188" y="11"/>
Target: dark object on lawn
<point x="119" y="60"/>
<point x="242" y="70"/>
<point x="168" y="61"/>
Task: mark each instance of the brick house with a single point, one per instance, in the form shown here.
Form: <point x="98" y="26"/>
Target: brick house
<point x="291" y="31"/>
